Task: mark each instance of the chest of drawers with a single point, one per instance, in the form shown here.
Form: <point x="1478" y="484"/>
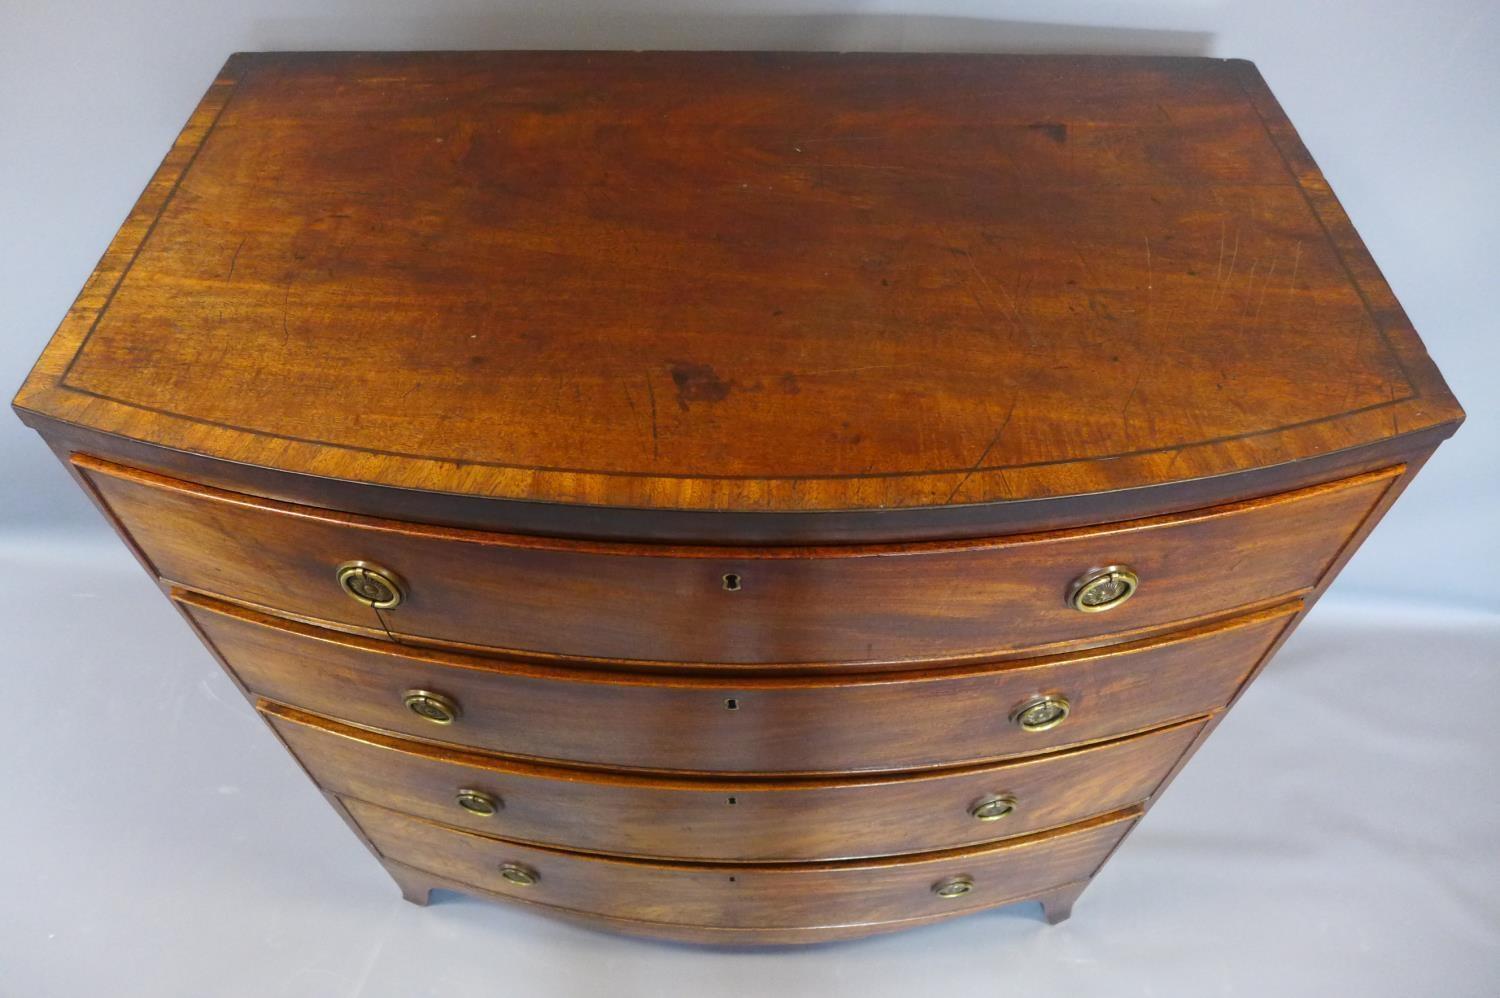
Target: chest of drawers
<point x="747" y="498"/>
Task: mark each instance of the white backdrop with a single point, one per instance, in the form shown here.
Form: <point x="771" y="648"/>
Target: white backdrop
<point x="1337" y="836"/>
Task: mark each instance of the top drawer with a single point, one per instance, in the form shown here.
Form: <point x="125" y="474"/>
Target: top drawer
<point x="871" y="605"/>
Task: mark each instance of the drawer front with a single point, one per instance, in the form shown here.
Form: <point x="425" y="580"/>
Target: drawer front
<point x="772" y="896"/>
<point x="723" y="819"/>
<point x="773" y="724"/>
<point x="901" y="604"/>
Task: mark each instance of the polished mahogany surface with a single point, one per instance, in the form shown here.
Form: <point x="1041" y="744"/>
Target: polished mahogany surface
<point x="790" y="606"/>
<point x="741" y="281"/>
<point x="746" y="498"/>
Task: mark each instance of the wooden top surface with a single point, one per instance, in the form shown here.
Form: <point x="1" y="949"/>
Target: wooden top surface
<point x="738" y="281"/>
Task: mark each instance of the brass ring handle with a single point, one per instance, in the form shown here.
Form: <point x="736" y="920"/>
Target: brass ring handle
<point x="993" y="807"/>
<point x="430" y="706"/>
<point x="371" y="585"/>
<point x="519" y="874"/>
<point x="1103" y="589"/>
<point x="1042" y="713"/>
<point x="954" y="887"/>
<point x="477" y="802"/>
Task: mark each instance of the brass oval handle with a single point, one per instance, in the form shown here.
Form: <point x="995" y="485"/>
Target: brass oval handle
<point x="954" y="887"/>
<point x="1042" y="713"/>
<point x="519" y="874"/>
<point x="371" y="585"/>
<point x="434" y="707"/>
<point x="1103" y="589"/>
<point x="478" y="802"/>
<point x="993" y="807"/>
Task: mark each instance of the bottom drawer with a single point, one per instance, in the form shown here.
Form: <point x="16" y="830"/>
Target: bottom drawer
<point x="759" y="896"/>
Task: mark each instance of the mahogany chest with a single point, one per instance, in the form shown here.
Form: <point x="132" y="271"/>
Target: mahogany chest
<point x="740" y="497"/>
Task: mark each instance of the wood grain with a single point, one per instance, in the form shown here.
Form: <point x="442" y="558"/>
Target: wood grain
<point x="853" y="604"/>
<point x="726" y="819"/>
<point x="417" y="886"/>
<point x="749" y="896"/>
<point x="740" y="528"/>
<point x="746" y="724"/>
<point x="807" y="282"/>
<point x="737" y="444"/>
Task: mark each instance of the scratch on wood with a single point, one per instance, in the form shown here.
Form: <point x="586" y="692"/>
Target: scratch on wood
<point x="1130" y="398"/>
<point x="651" y="393"/>
<point x="983" y="280"/>
<point x="1264" y="287"/>
<point x="988" y="447"/>
<point x="1014" y="312"/>
<point x="234" y="260"/>
<point x="1223" y="238"/>
<point x="286" y="334"/>
<point x="1296" y="262"/>
<point x="974" y="269"/>
<point x="1234" y="255"/>
<point x="851" y="370"/>
<point x="1087" y="269"/>
<point x="1015" y="308"/>
<point x="830" y="139"/>
<point x="1149" y="278"/>
<point x="1254" y="266"/>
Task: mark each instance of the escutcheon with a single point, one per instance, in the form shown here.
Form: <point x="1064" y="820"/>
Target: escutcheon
<point x="1103" y="589"/>
<point x="993" y="807"/>
<point x="1042" y="713"/>
<point x="434" y="707"/>
<point x="519" y="874"/>
<point x="371" y="585"/>
<point x="954" y="887"/>
<point x="478" y="802"/>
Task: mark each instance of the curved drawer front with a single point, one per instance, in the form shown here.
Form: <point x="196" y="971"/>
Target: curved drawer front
<point x="775" y="724"/>
<point x="727" y="820"/>
<point x="727" y="896"/>
<point x="887" y="604"/>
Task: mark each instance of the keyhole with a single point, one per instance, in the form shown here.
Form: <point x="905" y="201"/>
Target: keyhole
<point x="731" y="704"/>
<point x="731" y="582"/>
